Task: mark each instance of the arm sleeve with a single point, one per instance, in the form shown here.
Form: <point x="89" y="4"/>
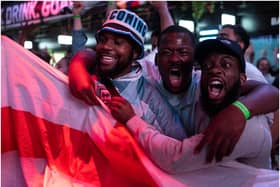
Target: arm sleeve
<point x="79" y="40"/>
<point x="168" y="153"/>
<point x="255" y="143"/>
<point x="176" y="156"/>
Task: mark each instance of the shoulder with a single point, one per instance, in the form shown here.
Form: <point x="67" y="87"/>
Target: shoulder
<point x="253" y="73"/>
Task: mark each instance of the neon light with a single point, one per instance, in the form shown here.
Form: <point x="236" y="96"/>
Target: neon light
<point x="187" y="24"/>
<point x="228" y="19"/>
<point x="28" y="12"/>
<point x="64" y="39"/>
<point x="208" y="32"/>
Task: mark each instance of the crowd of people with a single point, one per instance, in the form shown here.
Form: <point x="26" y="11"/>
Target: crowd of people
<point x="181" y="74"/>
<point x="184" y="118"/>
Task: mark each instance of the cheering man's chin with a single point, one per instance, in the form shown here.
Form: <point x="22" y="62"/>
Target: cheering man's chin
<point x="211" y="107"/>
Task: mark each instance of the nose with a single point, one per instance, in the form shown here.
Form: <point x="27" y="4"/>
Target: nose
<point x="215" y="69"/>
<point x="107" y="45"/>
<point x="175" y="57"/>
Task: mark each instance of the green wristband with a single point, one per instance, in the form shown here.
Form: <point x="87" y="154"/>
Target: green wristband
<point x="242" y="108"/>
<point x="76" y="16"/>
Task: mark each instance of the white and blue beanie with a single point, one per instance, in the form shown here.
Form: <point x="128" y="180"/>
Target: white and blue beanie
<point x="122" y="21"/>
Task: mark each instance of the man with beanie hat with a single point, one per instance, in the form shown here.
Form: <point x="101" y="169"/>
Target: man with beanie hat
<point x="126" y="23"/>
<point x="120" y="42"/>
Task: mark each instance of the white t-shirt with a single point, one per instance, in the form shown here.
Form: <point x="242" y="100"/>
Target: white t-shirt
<point x="253" y="73"/>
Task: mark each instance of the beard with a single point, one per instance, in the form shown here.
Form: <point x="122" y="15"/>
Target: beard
<point x="211" y="108"/>
<point x="117" y="70"/>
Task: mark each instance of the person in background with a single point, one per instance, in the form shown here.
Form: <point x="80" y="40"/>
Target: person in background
<point x="238" y="34"/>
<point x="264" y="66"/>
<point x="250" y="54"/>
<point x="79" y="37"/>
<point x="44" y="55"/>
<point x="41" y="53"/>
<point x="63" y="64"/>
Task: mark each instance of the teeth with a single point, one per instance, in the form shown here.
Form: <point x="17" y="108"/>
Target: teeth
<point x="107" y="59"/>
<point x="175" y="72"/>
<point x="215" y="83"/>
<point x="215" y="88"/>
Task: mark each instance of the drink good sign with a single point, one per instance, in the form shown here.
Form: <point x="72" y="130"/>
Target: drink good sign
<point x="32" y="12"/>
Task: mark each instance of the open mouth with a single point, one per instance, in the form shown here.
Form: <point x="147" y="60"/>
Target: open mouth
<point x="175" y="77"/>
<point x="215" y="89"/>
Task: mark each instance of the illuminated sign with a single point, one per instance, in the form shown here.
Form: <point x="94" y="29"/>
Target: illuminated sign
<point x="274" y="21"/>
<point x="32" y="12"/>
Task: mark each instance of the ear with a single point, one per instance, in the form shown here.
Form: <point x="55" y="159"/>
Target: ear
<point x="242" y="78"/>
<point x="135" y="53"/>
<point x="241" y="44"/>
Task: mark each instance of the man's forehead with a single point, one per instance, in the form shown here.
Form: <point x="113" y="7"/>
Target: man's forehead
<point x="177" y="48"/>
<point x="177" y="34"/>
<point x="181" y="39"/>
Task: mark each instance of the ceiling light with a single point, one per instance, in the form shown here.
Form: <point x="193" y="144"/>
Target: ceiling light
<point x="64" y="39"/>
<point x="187" y="24"/>
<point x="206" y="38"/>
<point x="228" y="19"/>
<point x="28" y="44"/>
<point x="208" y="32"/>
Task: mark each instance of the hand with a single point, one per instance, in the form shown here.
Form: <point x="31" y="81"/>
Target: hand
<point x="77" y="8"/>
<point x="121" y="109"/>
<point x="159" y="5"/>
<point x="81" y="83"/>
<point x="222" y="133"/>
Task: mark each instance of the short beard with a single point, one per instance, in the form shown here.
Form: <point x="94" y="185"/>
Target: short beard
<point x="212" y="109"/>
<point x="117" y="70"/>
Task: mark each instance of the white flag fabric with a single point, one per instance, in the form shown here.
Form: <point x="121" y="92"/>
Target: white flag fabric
<point x="50" y="138"/>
